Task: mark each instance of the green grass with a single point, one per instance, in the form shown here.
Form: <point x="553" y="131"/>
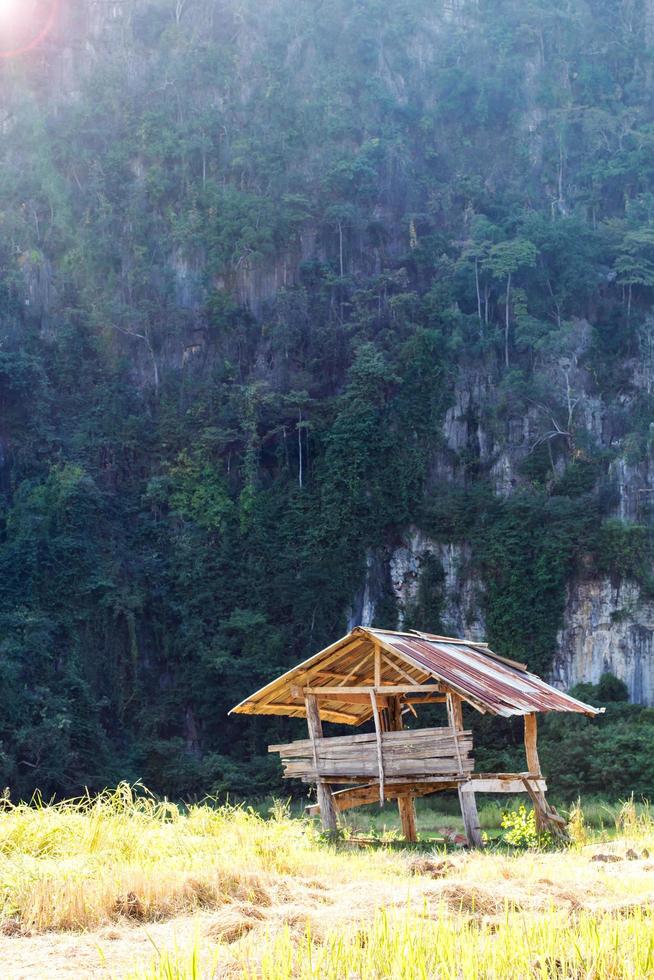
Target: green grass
<point x="441" y="812"/>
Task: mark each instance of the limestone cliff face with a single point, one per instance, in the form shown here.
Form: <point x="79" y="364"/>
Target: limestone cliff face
<point x="398" y="571"/>
<point x="365" y="605"/>
<point x="608" y="627"/>
<point x="480" y="427"/>
<point x="461" y="591"/>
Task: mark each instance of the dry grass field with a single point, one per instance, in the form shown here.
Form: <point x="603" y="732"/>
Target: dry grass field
<point x="122" y="886"/>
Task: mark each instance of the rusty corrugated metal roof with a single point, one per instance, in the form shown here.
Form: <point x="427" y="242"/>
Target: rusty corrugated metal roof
<point x="490" y="682"/>
<point x="487" y="681"/>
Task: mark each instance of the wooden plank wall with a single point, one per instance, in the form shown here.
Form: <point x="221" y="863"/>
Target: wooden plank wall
<point x="425" y="752"/>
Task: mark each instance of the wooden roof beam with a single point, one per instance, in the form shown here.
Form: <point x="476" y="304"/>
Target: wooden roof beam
<point x="354" y="672"/>
<point x="385" y="689"/>
<point x="400" y="670"/>
<point x="268" y="693"/>
<point x="299" y="711"/>
<point x="356" y="697"/>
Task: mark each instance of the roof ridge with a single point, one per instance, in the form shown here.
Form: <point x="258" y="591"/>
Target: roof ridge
<point x="447" y="639"/>
<point x="423" y="635"/>
<point x="482" y="647"/>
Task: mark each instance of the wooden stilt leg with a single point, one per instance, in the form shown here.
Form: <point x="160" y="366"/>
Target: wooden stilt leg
<point x="325" y="800"/>
<point x="405" y="804"/>
<point x="407" y="808"/>
<point x="546" y="816"/>
<point x="533" y="765"/>
<point x="468" y="804"/>
<point x="380" y="750"/>
<point x="467" y="800"/>
<point x="531" y="744"/>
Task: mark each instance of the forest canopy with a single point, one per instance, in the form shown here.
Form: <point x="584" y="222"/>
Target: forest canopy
<point x="248" y="252"/>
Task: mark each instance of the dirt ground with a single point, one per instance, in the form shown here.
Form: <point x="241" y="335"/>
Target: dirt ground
<point x="125" y="948"/>
<point x="602" y="877"/>
<point x="113" y="951"/>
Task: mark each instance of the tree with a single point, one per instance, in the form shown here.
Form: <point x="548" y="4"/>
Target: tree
<point x="635" y="263"/>
<point x="477" y="253"/>
<point x="503" y="261"/>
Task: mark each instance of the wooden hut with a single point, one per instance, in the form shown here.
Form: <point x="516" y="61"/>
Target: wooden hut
<point x="384" y="676"/>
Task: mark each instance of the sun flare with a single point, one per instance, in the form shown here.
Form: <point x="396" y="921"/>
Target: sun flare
<point x="25" y="24"/>
<point x="8" y="9"/>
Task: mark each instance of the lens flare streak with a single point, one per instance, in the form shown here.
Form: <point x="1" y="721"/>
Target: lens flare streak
<point x="24" y="26"/>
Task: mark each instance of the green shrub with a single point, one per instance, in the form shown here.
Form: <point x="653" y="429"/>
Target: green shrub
<point x="520" y="830"/>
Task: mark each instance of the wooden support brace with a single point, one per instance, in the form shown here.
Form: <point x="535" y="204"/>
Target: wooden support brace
<point x="347" y="696"/>
<point x="400" y="670"/>
<point x="513" y="786"/>
<point x="355" y="672"/>
<point x="546" y="816"/>
<point x="346" y="799"/>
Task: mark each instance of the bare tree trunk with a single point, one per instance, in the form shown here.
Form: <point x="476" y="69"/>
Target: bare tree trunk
<point x="560" y="180"/>
<point x="155" y="366"/>
<point x="145" y="337"/>
<point x="557" y="308"/>
<point x="571" y="403"/>
<point x="507" y="320"/>
<point x="306" y="449"/>
<point x="340" y="245"/>
<point x="646" y="337"/>
<point x="288" y="463"/>
<point x="481" y="331"/>
<point x="299" y="444"/>
<point x="551" y="456"/>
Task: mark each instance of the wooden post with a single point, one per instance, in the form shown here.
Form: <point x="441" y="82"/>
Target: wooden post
<point x="405" y="804"/>
<point x="407" y="809"/>
<point x="468" y="805"/>
<point x="378" y="656"/>
<point x="531" y="744"/>
<point x="533" y="766"/>
<point x="380" y="751"/>
<point x="455" y="712"/>
<point x="467" y="800"/>
<point x="325" y="800"/>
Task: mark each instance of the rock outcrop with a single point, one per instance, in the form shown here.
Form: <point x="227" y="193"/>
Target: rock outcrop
<point x="608" y="626"/>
